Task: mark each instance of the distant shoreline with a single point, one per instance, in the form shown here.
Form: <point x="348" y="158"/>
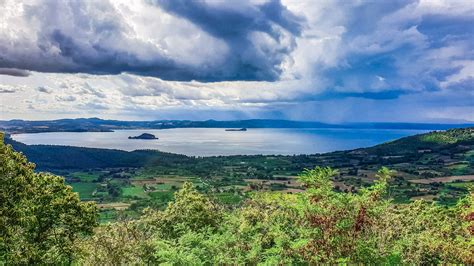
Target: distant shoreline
<point x="100" y="125"/>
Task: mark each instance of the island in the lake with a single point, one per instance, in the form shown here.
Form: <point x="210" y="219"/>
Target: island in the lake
<point x="144" y="136"/>
<point x="236" y="129"/>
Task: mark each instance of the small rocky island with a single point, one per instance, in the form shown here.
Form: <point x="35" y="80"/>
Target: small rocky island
<point x="144" y="136"/>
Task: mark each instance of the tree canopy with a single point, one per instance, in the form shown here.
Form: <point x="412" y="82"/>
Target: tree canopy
<point x="40" y="216"/>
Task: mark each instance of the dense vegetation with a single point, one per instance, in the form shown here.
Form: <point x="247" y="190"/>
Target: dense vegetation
<point x="40" y="216"/>
<point x="42" y="221"/>
<point x="53" y="158"/>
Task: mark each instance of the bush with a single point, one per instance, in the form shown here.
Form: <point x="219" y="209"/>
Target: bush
<point x="40" y="216"/>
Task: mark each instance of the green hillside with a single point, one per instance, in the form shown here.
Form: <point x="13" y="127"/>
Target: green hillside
<point x="435" y="141"/>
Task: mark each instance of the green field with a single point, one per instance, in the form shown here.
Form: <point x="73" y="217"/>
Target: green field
<point x="133" y="192"/>
<point x="86" y="176"/>
<point x="85" y="190"/>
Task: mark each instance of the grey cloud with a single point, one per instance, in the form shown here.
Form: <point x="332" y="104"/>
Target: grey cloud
<point x="14" y="72"/>
<point x="63" y="85"/>
<point x="234" y="22"/>
<point x="93" y="37"/>
<point x="85" y="43"/>
<point x="7" y="90"/>
<point x="88" y="89"/>
<point x="68" y="98"/>
<point x="44" y="89"/>
<point x="94" y="106"/>
<point x="234" y="25"/>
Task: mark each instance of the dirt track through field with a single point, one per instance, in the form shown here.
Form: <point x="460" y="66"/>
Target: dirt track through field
<point x="445" y="179"/>
<point x="114" y="205"/>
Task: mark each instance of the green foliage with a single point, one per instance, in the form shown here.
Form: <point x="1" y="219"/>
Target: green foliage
<point x="317" y="226"/>
<point x="449" y="137"/>
<point x="338" y="225"/>
<point x="424" y="233"/>
<point x="190" y="211"/>
<point x="318" y="178"/>
<point x="40" y="216"/>
<point x="120" y="243"/>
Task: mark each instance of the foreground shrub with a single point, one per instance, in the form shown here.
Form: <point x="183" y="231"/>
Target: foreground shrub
<point x="40" y="216"/>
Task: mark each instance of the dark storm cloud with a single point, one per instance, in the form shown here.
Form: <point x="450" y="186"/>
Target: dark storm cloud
<point x="84" y="45"/>
<point x="93" y="37"/>
<point x="234" y="25"/>
<point x="234" y="22"/>
<point x="14" y="72"/>
<point x="99" y="59"/>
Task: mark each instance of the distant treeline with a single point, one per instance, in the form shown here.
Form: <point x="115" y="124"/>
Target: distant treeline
<point x="50" y="157"/>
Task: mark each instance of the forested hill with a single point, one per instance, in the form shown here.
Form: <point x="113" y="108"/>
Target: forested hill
<point x="436" y="141"/>
<point x="50" y="157"/>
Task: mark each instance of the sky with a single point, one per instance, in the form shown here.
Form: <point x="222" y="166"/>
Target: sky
<point x="319" y="60"/>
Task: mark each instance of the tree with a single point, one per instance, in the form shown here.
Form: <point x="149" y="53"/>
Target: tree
<point x="337" y="226"/>
<point x="40" y="216"/>
<point x="424" y="233"/>
<point x="190" y="211"/>
<point x="125" y="242"/>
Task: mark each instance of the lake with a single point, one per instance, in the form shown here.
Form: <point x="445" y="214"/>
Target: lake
<point x="217" y="141"/>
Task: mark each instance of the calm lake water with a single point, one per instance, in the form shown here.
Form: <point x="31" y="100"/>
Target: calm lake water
<point x="217" y="141"/>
